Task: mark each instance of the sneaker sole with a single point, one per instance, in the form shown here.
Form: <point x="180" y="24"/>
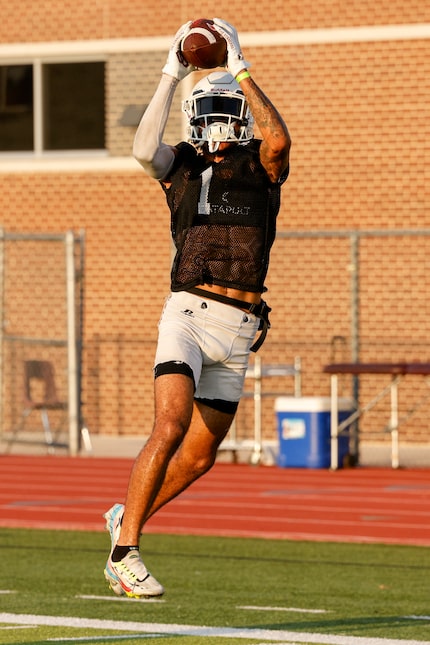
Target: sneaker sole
<point x="110" y="516"/>
<point x="111" y="578"/>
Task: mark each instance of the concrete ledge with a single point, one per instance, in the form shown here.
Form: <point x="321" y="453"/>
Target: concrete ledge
<point x="372" y="454"/>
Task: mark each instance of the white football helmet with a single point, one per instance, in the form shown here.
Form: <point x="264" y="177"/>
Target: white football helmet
<point x="217" y="111"/>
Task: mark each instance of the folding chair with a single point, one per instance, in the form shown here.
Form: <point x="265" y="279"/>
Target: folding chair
<point x="40" y="393"/>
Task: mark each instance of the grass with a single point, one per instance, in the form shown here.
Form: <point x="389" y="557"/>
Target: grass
<point x="364" y="590"/>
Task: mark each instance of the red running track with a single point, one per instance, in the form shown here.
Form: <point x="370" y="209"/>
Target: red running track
<point x="354" y="505"/>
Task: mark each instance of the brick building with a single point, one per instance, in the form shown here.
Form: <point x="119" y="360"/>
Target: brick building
<point x="352" y="81"/>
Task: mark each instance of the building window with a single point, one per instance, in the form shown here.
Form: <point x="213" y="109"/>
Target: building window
<point x="47" y="107"/>
<point x="16" y="108"/>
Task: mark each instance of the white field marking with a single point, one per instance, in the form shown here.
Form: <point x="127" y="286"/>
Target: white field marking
<point x="200" y="630"/>
<point x="121" y="598"/>
<point x="293" y="609"/>
<point x="95" y="639"/>
<point x="5" y="591"/>
<point x="417" y="617"/>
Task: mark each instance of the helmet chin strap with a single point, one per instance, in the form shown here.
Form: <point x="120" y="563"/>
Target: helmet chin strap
<point x="217" y="133"/>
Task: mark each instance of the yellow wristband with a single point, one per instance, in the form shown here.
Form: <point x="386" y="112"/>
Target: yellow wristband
<point x="242" y="75"/>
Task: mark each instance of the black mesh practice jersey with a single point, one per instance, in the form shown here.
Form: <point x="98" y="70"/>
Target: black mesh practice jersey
<point x="223" y="218"/>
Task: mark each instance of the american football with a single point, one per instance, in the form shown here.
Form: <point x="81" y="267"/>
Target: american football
<point x="203" y="46"/>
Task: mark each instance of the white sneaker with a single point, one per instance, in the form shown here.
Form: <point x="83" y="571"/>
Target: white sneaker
<point x="129" y="576"/>
<point x="113" y="519"/>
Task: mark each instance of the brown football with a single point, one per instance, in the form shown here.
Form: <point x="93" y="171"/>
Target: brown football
<point x="203" y="46"/>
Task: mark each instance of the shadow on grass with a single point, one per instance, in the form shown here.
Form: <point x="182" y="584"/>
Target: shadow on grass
<point x="343" y="625"/>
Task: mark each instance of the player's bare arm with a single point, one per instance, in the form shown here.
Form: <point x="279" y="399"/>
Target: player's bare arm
<point x="151" y="152"/>
<point x="275" y="147"/>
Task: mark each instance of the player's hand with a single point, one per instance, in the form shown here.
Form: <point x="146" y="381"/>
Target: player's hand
<point x="235" y="61"/>
<point x="176" y="65"/>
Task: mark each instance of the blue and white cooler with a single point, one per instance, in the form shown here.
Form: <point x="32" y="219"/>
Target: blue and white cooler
<point x="304" y="431"/>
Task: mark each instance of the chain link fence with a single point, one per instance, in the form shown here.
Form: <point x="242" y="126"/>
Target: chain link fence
<point x="338" y="296"/>
<point x="347" y="296"/>
<point x="41" y="286"/>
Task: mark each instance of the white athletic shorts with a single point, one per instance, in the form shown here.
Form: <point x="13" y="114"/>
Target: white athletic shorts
<point x="211" y="338"/>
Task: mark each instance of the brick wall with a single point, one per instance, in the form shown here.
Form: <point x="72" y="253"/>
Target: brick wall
<point x="86" y="19"/>
<point x="359" y="118"/>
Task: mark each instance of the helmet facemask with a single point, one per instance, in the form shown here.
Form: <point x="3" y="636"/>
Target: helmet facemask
<point x="217" y="112"/>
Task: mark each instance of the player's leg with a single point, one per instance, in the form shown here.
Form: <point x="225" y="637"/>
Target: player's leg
<point x="173" y="412"/>
<point x="125" y="570"/>
<point x="195" y="455"/>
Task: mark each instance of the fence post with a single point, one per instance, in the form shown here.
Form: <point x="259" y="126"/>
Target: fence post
<point x="1" y="326"/>
<point x="355" y="334"/>
<point x="72" y="377"/>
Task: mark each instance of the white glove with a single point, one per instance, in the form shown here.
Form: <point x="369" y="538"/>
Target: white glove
<point x="176" y="65"/>
<point x="235" y="61"/>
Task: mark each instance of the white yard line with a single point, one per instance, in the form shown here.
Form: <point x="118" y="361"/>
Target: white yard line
<point x="95" y="639"/>
<point x="199" y="630"/>
<point x="292" y="609"/>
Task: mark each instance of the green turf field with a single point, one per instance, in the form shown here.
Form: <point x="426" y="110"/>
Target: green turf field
<point x="217" y="589"/>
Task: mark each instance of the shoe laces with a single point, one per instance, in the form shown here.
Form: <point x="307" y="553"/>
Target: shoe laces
<point x="133" y="567"/>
